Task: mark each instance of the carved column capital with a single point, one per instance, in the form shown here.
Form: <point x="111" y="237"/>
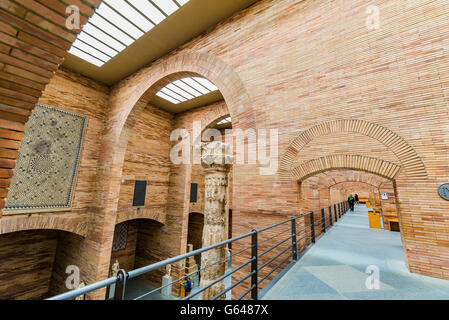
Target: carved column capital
<point x="216" y="156"/>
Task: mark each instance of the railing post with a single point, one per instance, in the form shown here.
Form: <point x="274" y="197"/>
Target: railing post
<point x="294" y="247"/>
<point x="330" y="216"/>
<point x="254" y="277"/>
<point x="312" y="223"/>
<point x="339" y="210"/>
<point x="323" y="219"/>
<point x="120" y="285"/>
<point x="335" y="212"/>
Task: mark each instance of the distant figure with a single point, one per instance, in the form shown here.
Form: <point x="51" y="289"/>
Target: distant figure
<point x="351" y="202"/>
<point x="356" y="198"/>
<point x="188" y="286"/>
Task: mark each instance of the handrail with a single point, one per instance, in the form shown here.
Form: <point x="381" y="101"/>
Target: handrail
<point x="120" y="280"/>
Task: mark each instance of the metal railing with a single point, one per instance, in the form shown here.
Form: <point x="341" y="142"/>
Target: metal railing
<point x="303" y="231"/>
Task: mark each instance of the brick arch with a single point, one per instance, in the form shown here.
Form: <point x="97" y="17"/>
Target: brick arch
<point x="144" y="84"/>
<point x="211" y="118"/>
<point x="350" y="175"/>
<point x="77" y="225"/>
<point x="379" y="167"/>
<point x="409" y="159"/>
<point x="354" y="181"/>
<point x="141" y="214"/>
<point x="127" y="100"/>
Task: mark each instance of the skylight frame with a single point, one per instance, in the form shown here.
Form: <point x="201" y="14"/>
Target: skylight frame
<point x="225" y="121"/>
<point x="117" y="24"/>
<point x="179" y="94"/>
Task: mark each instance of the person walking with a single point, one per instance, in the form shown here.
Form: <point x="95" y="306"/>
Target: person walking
<point x="356" y="198"/>
<point x="351" y="202"/>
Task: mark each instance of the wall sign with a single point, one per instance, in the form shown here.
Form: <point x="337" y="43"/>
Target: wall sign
<point x="384" y="195"/>
<point x="443" y="191"/>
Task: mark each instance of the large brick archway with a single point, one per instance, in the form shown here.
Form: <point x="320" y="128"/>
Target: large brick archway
<point x="407" y="171"/>
<point x="410" y="160"/>
<point x="127" y="101"/>
<point x="356" y="162"/>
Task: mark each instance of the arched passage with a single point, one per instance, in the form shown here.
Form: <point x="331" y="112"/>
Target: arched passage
<point x="333" y="185"/>
<point x="35" y="262"/>
<point x="408" y="157"/>
<point x="127" y="101"/>
<point x="195" y="232"/>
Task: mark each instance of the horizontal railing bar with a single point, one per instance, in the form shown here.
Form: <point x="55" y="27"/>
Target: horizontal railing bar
<point x="274" y="225"/>
<point x="280" y="264"/>
<point x="272" y="259"/>
<point x="246" y="292"/>
<point x="305" y="244"/>
<point x="160" y="264"/>
<point x="304" y="214"/>
<point x="304" y="229"/>
<point x="218" y="280"/>
<point x="83" y="290"/>
<point x="304" y="236"/>
<point x="275" y="246"/>
<point x="277" y="235"/>
<point x="137" y="272"/>
<point x="168" y="284"/>
<point x="188" y="275"/>
<point x="233" y="286"/>
<point x="239" y="252"/>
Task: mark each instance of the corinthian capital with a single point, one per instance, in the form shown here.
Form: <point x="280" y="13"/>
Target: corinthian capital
<point x="216" y="155"/>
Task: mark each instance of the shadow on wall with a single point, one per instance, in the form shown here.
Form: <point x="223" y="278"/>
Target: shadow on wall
<point x="33" y="263"/>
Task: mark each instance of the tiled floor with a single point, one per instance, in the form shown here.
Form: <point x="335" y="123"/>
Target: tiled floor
<point x="336" y="267"/>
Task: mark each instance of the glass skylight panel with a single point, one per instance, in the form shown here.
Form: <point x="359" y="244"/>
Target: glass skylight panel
<point x="187" y="88"/>
<point x="179" y="91"/>
<point x="196" y="85"/>
<point x="90" y="29"/>
<point x="168" y="98"/>
<point x="173" y="94"/>
<point x="85" y="56"/>
<point x="111" y="15"/>
<point x="97" y="44"/>
<point x="168" y="6"/>
<point x="92" y="51"/>
<point x="116" y="24"/>
<point x="112" y="30"/>
<point x="182" y="2"/>
<point x="151" y="11"/>
<point x="209" y="85"/>
<point x="131" y="14"/>
<point x="224" y="121"/>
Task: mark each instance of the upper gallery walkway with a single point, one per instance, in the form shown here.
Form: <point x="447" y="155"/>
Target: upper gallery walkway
<point x="336" y="267"/>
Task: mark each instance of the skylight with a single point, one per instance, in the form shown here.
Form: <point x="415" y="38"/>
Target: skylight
<point x="224" y="121"/>
<point x="186" y="89"/>
<point x="116" y="24"/>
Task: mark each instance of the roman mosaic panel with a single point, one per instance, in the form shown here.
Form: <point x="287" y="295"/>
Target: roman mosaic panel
<point x="47" y="165"/>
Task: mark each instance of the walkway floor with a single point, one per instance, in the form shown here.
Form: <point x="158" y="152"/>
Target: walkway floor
<point x="335" y="267"/>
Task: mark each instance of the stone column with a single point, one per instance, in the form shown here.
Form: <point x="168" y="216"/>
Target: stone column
<point x="216" y="160"/>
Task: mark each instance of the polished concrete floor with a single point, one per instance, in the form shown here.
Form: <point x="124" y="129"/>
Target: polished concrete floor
<point x="341" y="265"/>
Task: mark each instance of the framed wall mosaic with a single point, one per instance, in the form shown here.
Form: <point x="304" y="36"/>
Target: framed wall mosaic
<point x="47" y="165"/>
